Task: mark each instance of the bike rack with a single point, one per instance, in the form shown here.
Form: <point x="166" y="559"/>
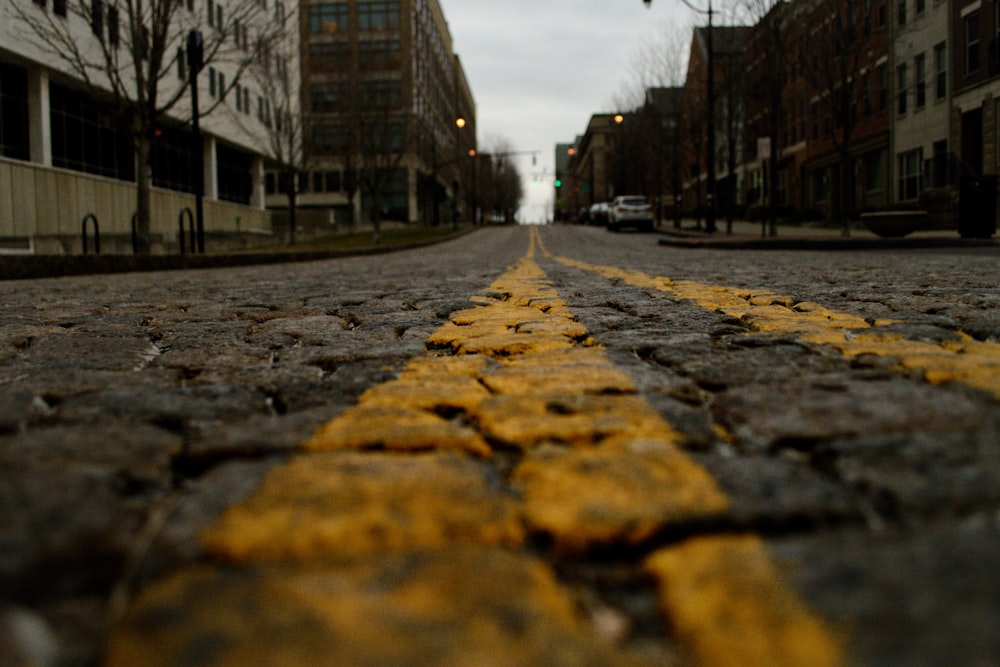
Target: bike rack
<point x="180" y="232"/>
<point x="97" y="233"/>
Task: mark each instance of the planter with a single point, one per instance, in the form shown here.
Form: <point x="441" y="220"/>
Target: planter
<point x="893" y="224"/>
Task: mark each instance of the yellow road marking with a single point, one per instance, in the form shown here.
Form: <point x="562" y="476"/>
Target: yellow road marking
<point x="965" y="360"/>
<point x="726" y="603"/>
<point x="396" y="477"/>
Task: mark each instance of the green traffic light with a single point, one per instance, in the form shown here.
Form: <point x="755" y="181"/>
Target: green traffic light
<point x="558" y="183"/>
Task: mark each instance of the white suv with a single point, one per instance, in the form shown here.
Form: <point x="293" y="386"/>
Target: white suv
<point x="630" y="211"/>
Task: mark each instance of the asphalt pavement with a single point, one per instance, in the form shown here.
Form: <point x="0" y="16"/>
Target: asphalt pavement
<point x="553" y="446"/>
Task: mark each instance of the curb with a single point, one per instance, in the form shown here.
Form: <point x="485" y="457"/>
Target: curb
<point x="832" y="243"/>
<point x="30" y="267"/>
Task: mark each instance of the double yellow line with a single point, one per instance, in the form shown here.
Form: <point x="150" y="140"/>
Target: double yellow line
<point x="397" y="477"/>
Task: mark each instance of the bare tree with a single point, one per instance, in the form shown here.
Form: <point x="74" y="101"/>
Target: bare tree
<point x="132" y="50"/>
<point x="842" y="44"/>
<point x="767" y="56"/>
<point x="503" y="190"/>
<point x="273" y="71"/>
<point x="659" y="61"/>
<point x="383" y="140"/>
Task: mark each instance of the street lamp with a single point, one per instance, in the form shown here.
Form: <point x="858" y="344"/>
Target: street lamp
<point x="195" y="62"/>
<point x="710" y="86"/>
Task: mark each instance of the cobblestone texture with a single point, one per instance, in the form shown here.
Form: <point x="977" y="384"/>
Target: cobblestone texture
<point x="137" y="410"/>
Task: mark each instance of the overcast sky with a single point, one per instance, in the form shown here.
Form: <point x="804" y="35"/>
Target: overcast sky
<point x="539" y="69"/>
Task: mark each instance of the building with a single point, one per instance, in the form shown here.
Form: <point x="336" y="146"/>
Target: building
<point x="728" y="67"/>
<point x="73" y="133"/>
<point x="390" y="117"/>
<point x="591" y="168"/>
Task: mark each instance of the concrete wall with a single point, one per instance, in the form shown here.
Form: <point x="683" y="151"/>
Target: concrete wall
<point x="48" y="205"/>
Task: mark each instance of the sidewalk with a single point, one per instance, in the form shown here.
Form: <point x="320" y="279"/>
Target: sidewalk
<point x="747" y="236"/>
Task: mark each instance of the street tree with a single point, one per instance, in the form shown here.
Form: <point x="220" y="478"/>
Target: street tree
<point x="503" y="190"/>
<point x="132" y="51"/>
<point x="844" y="45"/>
<point x="273" y="70"/>
<point x="767" y="62"/>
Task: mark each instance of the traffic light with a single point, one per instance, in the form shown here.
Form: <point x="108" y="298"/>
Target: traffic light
<point x="558" y="183"/>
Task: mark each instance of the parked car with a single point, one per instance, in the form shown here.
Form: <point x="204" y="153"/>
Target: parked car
<point x="630" y="211"/>
<point x="583" y="216"/>
<point x="599" y="213"/>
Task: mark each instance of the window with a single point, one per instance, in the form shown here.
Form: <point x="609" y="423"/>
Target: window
<point x="333" y="181"/>
<point x="378" y="15"/>
<point x="380" y="94"/>
<point x="940" y="176"/>
<point x="59" y="7"/>
<point x="86" y="136"/>
<point x="379" y="55"/>
<point x="171" y="157"/>
<point x="972" y="43"/>
<point x="882" y="13"/>
<point x="920" y="80"/>
<point x="329" y="17"/>
<point x="910" y="164"/>
<point x="866" y="98"/>
<point x="235" y="179"/>
<point x="239" y="96"/>
<point x="883" y="89"/>
<point x="821" y="185"/>
<point x="219" y="24"/>
<point x="901" y="88"/>
<point x="941" y="73"/>
<point x="329" y="56"/>
<point x="112" y="18"/>
<point x="210" y="11"/>
<point x="97" y="18"/>
<point x="330" y="139"/>
<point x="921" y="5"/>
<point x="331" y="96"/>
<point x="901" y="12"/>
<point x="13" y="112"/>
<point x="873" y="171"/>
<point x="211" y="82"/>
<point x="181" y="70"/>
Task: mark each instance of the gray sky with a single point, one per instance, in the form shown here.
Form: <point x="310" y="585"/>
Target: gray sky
<point x="539" y="69"/>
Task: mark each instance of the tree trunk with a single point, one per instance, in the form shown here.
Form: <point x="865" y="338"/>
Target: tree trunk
<point x="846" y="182"/>
<point x="143" y="195"/>
<point x="292" y="218"/>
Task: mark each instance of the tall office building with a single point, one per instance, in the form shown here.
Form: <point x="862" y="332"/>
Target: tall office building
<point x="389" y="114"/>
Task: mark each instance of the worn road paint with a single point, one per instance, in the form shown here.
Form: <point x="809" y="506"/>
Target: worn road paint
<point x="965" y="360"/>
<point x="385" y="493"/>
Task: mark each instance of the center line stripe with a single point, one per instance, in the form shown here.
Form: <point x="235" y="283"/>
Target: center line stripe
<point x="401" y="475"/>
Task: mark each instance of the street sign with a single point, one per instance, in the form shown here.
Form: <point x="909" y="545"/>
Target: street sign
<point x="764" y="148"/>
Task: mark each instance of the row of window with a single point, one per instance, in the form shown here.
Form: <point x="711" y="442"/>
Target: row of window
<point x="377" y="138"/>
<point x="372" y="56"/>
<point x="335" y="96"/>
<point x="920" y="80"/>
<point x="330" y="17"/>
<point x="87" y="137"/>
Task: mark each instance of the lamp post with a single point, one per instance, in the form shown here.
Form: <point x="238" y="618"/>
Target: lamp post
<point x="710" y="93"/>
<point x="195" y="61"/>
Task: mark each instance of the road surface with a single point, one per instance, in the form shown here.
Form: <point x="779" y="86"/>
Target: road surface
<point x="527" y="446"/>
